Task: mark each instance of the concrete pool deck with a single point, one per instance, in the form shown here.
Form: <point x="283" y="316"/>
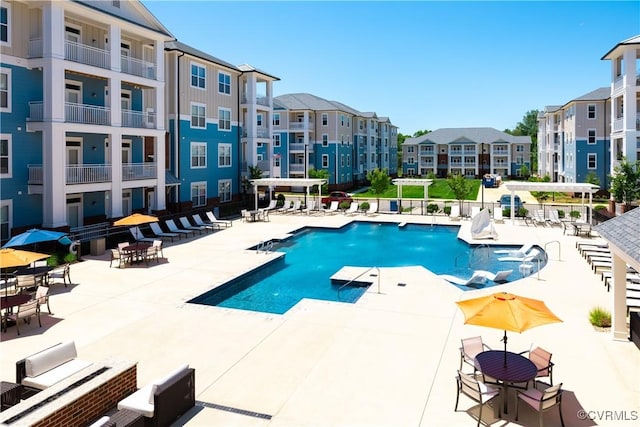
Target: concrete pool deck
<point x="388" y="360"/>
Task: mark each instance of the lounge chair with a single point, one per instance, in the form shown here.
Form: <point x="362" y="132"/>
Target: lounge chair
<point x="295" y="207"/>
<point x="475" y="210"/>
<point x="333" y="208"/>
<point x="138" y="236"/>
<point x="353" y="209"/>
<point x="538" y="217"/>
<point x="455" y="213"/>
<point x="554" y="217"/>
<point x="272" y="205"/>
<point x="155" y="228"/>
<point x="373" y="209"/>
<point x="499" y="277"/>
<point x="213" y="220"/>
<point x="311" y="206"/>
<point x="529" y="256"/>
<point x="516" y="252"/>
<point x="285" y="207"/>
<point x="479" y="277"/>
<point x="171" y="225"/>
<point x="188" y="226"/>
<point x="497" y="215"/>
<point x="199" y="222"/>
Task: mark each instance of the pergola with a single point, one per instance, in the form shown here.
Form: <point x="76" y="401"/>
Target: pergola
<point x="558" y="187"/>
<point x="415" y="182"/>
<point x="288" y="182"/>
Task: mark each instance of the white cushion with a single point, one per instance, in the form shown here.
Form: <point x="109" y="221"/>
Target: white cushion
<point x="176" y="373"/>
<point x="102" y="421"/>
<point x="55" y="375"/>
<point x="138" y="402"/>
<point x="50" y="358"/>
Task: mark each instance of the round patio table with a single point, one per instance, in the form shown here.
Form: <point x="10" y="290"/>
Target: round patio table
<point x="518" y="369"/>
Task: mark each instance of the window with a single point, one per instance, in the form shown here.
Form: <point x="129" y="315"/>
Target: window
<point x="224" y="83"/>
<point x="259" y="119"/>
<point x="5" y="90"/>
<point x="592" y="161"/>
<point x="591" y="111"/>
<point x="5" y="156"/>
<point x="198" y="76"/>
<point x="591" y="139"/>
<point x="325" y="119"/>
<point x="199" y="193"/>
<point x="519" y="148"/>
<point x="276" y="140"/>
<point x="325" y="160"/>
<point x="341" y="160"/>
<point x="341" y="119"/>
<point x="276" y="160"/>
<point x="224" y="155"/>
<point x="4" y="25"/>
<point x="198" y="116"/>
<point x="5" y="219"/>
<point x="325" y="140"/>
<point x="410" y="149"/>
<point x="224" y="190"/>
<point x="519" y="160"/>
<point x="276" y="119"/>
<point x="224" y="119"/>
<point x="348" y="160"/>
<point x="259" y="157"/>
<point x="198" y="155"/>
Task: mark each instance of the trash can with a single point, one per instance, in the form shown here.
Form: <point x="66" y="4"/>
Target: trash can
<point x="96" y="246"/>
<point x="393" y="206"/>
<point x="489" y="182"/>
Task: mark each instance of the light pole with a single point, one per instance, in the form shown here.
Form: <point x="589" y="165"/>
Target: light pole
<point x="482" y="171"/>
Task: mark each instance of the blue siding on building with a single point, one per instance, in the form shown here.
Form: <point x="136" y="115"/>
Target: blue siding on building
<point x="602" y="150"/>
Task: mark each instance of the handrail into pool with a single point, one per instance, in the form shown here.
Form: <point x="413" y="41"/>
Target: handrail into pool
<point x="360" y="275"/>
<point x="559" y="248"/>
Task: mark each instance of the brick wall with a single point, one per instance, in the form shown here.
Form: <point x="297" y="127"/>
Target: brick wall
<point x="95" y="403"/>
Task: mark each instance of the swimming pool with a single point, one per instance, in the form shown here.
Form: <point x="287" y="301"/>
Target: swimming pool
<point x="313" y="255"/>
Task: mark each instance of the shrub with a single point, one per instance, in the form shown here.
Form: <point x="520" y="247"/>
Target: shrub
<point x="432" y="208"/>
<point x="522" y="212"/>
<point x="447" y="210"/>
<point x="600" y="317"/>
<point x="364" y="206"/>
<point x="574" y="214"/>
<point x="344" y="205"/>
<point x="560" y="213"/>
<point x="600" y="208"/>
<point x="70" y="258"/>
<point x="280" y="199"/>
<point x="506" y="212"/>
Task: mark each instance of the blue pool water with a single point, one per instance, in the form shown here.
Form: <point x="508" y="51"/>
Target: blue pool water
<point x="313" y="255"/>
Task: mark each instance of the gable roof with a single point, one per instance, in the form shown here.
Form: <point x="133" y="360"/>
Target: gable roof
<point x="630" y="41"/>
<point x="250" y="68"/>
<point x="474" y="135"/>
<point x="181" y="47"/>
<point x="131" y="11"/>
<point x="621" y="232"/>
<point x="307" y="101"/>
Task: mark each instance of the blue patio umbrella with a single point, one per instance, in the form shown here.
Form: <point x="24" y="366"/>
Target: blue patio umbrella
<point x="35" y="236"/>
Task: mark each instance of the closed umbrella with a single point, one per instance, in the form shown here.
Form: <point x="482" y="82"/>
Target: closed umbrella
<point x="136" y="219"/>
<point x="35" y="236"/>
<point x="508" y="312"/>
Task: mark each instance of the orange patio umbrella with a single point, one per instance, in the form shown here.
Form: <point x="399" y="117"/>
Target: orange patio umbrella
<point x="136" y="219"/>
<point x="508" y="312"/>
<point x="10" y="257"/>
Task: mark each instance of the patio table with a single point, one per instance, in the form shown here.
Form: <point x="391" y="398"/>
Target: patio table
<point x="518" y="369"/>
<point x="8" y="302"/>
<point x="137" y="250"/>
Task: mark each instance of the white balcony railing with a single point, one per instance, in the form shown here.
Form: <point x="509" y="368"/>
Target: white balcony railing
<point x="35" y="48"/>
<point x="296" y="167"/>
<point x="301" y="126"/>
<point x="36" y="111"/>
<point x="88" y="114"/>
<point x="133" y="171"/>
<point x="96" y="173"/>
<point x="260" y="133"/>
<point x="298" y="146"/>
<point x="138" y="119"/>
<point x="618" y="124"/>
<point x="618" y="83"/>
<point x="262" y="100"/>
<point x="35" y="174"/>
<point x="87" y="174"/>
<point x="84" y="54"/>
<point x="137" y="67"/>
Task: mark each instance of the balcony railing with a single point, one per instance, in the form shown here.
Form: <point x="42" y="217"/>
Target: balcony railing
<point x="297" y="146"/>
<point x="84" y="54"/>
<point x="301" y="126"/>
<point x="637" y="121"/>
<point x="264" y="165"/>
<point x="134" y="171"/>
<point x="36" y="111"/>
<point x="87" y="114"/>
<point x="262" y="100"/>
<point x="35" y="174"/>
<point x="618" y="124"/>
<point x="137" y="67"/>
<point x="296" y="167"/>
<point x="260" y="133"/>
<point x="138" y="119"/>
<point x="87" y="174"/>
<point x="618" y="83"/>
<point x="470" y="152"/>
<point x="35" y="48"/>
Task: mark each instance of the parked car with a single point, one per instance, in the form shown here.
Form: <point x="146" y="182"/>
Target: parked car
<point x="505" y="201"/>
<point x="336" y="196"/>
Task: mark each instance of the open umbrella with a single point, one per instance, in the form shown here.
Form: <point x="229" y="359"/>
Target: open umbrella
<point x="36" y="235"/>
<point x="17" y="258"/>
<point x="136" y="219"/>
<point x="508" y="312"/>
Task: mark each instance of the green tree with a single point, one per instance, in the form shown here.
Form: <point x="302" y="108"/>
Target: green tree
<point x="418" y="133"/>
<point x="380" y="181"/>
<point x="401" y="138"/>
<point x="524" y="171"/>
<point x="460" y="187"/>
<point x="625" y="182"/>
<point x="529" y="127"/>
<point x="592" y="178"/>
<point x="319" y="174"/>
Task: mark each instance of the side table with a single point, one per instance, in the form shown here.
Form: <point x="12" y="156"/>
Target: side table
<point x="11" y="394"/>
<point x="127" y="418"/>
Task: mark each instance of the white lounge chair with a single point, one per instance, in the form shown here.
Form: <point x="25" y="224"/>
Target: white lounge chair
<point x="285" y="207"/>
<point x="138" y="236"/>
<point x="475" y="210"/>
<point x="373" y="209"/>
<point x="295" y="207"/>
<point x="311" y="206"/>
<point x="455" y="213"/>
<point x="199" y="222"/>
<point x="188" y="226"/>
<point x="155" y="228"/>
<point x="479" y="277"/>
<point x="497" y="215"/>
<point x="171" y="225"/>
<point x="530" y="256"/>
<point x="554" y="217"/>
<point x="524" y="249"/>
<point x="213" y="220"/>
<point x="499" y="277"/>
<point x="333" y="208"/>
<point x="353" y="209"/>
<point x="272" y="205"/>
<point x="538" y="217"/>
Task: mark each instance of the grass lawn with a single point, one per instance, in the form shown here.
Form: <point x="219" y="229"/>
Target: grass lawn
<point x="438" y="190"/>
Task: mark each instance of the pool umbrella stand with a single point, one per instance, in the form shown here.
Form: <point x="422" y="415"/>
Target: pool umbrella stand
<point x="508" y="312"/>
<point x="135" y="219"/>
<point x="35" y="236"/>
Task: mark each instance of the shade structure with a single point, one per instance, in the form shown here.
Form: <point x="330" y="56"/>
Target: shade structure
<point x="36" y="235"/>
<point x="136" y="219"/>
<point x="508" y="312"/>
<point x="10" y="257"/>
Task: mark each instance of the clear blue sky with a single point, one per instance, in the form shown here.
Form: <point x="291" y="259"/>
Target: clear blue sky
<point x="424" y="64"/>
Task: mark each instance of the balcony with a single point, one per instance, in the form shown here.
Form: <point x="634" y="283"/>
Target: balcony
<point x="75" y="174"/>
<point x="299" y="147"/>
<point x="87" y="114"/>
<point x="261" y="100"/>
<point x="301" y="126"/>
<point x="261" y="132"/>
<point x="618" y="124"/>
<point x="470" y="152"/>
<point x="137" y="67"/>
<point x="88" y="55"/>
<point x="139" y="119"/>
<point x="296" y="167"/>
<point x="135" y="171"/>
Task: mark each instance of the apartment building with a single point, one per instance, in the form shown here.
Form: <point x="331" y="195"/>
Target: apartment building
<point x="625" y="100"/>
<point x="313" y="133"/>
<point x="82" y="110"/>
<point x="573" y="139"/>
<point x="471" y="152"/>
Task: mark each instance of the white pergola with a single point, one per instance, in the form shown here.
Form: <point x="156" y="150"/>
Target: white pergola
<point x="399" y="182"/>
<point x="558" y="187"/>
<point x="287" y="182"/>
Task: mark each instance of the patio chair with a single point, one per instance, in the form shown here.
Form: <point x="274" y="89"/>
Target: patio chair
<point x="353" y="209"/>
<point x="42" y="296"/>
<point x="554" y="217"/>
<point x="213" y="220"/>
<point x="497" y="215"/>
<point x="522" y="251"/>
<point x="470" y="349"/>
<point x="285" y="207"/>
<point x="333" y="208"/>
<point x="272" y="205"/>
<point x="478" y="277"/>
<point x="477" y="391"/>
<point x="60" y="274"/>
<point x="24" y="312"/>
<point x="158" y="245"/>
<point x="530" y="256"/>
<point x="311" y="206"/>
<point x="155" y="228"/>
<point x="151" y="254"/>
<point x="475" y="210"/>
<point x="199" y="222"/>
<point x="24" y="282"/>
<point x="455" y="213"/>
<point x="138" y="236"/>
<point x="499" y="277"/>
<point x="373" y="209"/>
<point x="184" y="221"/>
<point x="538" y="217"/>
<point x="245" y="215"/>
<point x="542" y="359"/>
<point x="172" y="227"/>
<point x="541" y="401"/>
<point x="295" y="207"/>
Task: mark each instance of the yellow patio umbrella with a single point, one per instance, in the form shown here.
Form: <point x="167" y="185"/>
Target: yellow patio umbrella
<point x="508" y="312"/>
<point x="10" y="257"/>
<point x="136" y="219"/>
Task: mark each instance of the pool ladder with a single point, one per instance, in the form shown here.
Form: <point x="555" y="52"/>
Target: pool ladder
<point x="359" y="276"/>
<point x="264" y="247"/>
